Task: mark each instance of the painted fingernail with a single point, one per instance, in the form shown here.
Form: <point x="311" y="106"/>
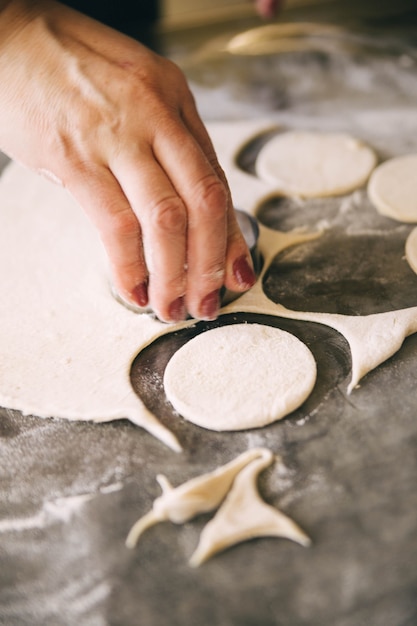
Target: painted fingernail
<point x="177" y="311"/>
<point x="140" y="293"/>
<point x="243" y="272"/>
<point x="209" y="307"/>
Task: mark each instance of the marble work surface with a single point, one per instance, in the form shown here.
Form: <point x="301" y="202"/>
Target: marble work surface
<point x="71" y="491"/>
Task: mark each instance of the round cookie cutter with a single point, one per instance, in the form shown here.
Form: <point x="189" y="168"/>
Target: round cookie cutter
<point x="250" y="230"/>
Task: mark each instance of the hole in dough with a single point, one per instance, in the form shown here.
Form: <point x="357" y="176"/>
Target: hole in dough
<point x="346" y="274"/>
<point x="239" y="376"/>
<point x="329" y="348"/>
<point x="285" y="214"/>
<point x="248" y="153"/>
<point x="312" y="164"/>
<point x="392" y="188"/>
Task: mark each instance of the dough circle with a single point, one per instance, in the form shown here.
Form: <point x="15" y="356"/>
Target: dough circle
<point x="239" y="376"/>
<point x="313" y="164"/>
<point x="411" y="250"/>
<point x="392" y="188"/>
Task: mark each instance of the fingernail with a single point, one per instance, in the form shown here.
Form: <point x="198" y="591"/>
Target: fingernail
<point x="177" y="311"/>
<point x="243" y="272"/>
<point x="140" y="293"/>
<point x="210" y="305"/>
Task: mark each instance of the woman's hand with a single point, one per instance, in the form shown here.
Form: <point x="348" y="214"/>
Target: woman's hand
<point x="116" y="125"/>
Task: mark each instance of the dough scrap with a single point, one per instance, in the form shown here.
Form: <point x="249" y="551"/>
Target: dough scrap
<point x="411" y="250"/>
<point x="244" y="515"/>
<point x="198" y="495"/>
<point x="312" y="164"/>
<point x="392" y="188"/>
<point x="239" y="376"/>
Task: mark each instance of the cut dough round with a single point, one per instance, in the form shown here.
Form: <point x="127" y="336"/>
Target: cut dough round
<point x="313" y="164"/>
<point x="392" y="188"/>
<point x="239" y="376"/>
<point x="411" y="250"/>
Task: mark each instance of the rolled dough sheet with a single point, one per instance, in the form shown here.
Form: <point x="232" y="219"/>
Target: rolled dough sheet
<point x="239" y="376"/>
<point x="392" y="188"/>
<point x="313" y="164"/>
<point x="67" y="345"/>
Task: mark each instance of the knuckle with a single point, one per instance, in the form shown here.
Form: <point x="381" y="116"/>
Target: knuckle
<point x="169" y="216"/>
<point x="213" y="197"/>
<point x="172" y="73"/>
<point x="124" y="224"/>
<point x="129" y="267"/>
<point x="175" y="284"/>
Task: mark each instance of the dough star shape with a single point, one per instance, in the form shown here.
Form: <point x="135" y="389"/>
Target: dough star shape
<point x="67" y="345"/>
<point x="201" y="494"/>
<point x="242" y="514"/>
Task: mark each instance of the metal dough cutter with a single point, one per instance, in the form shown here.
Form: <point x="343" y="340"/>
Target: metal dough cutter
<point x="250" y="230"/>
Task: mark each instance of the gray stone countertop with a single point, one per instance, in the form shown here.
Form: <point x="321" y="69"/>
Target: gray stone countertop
<point x="71" y="491"/>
